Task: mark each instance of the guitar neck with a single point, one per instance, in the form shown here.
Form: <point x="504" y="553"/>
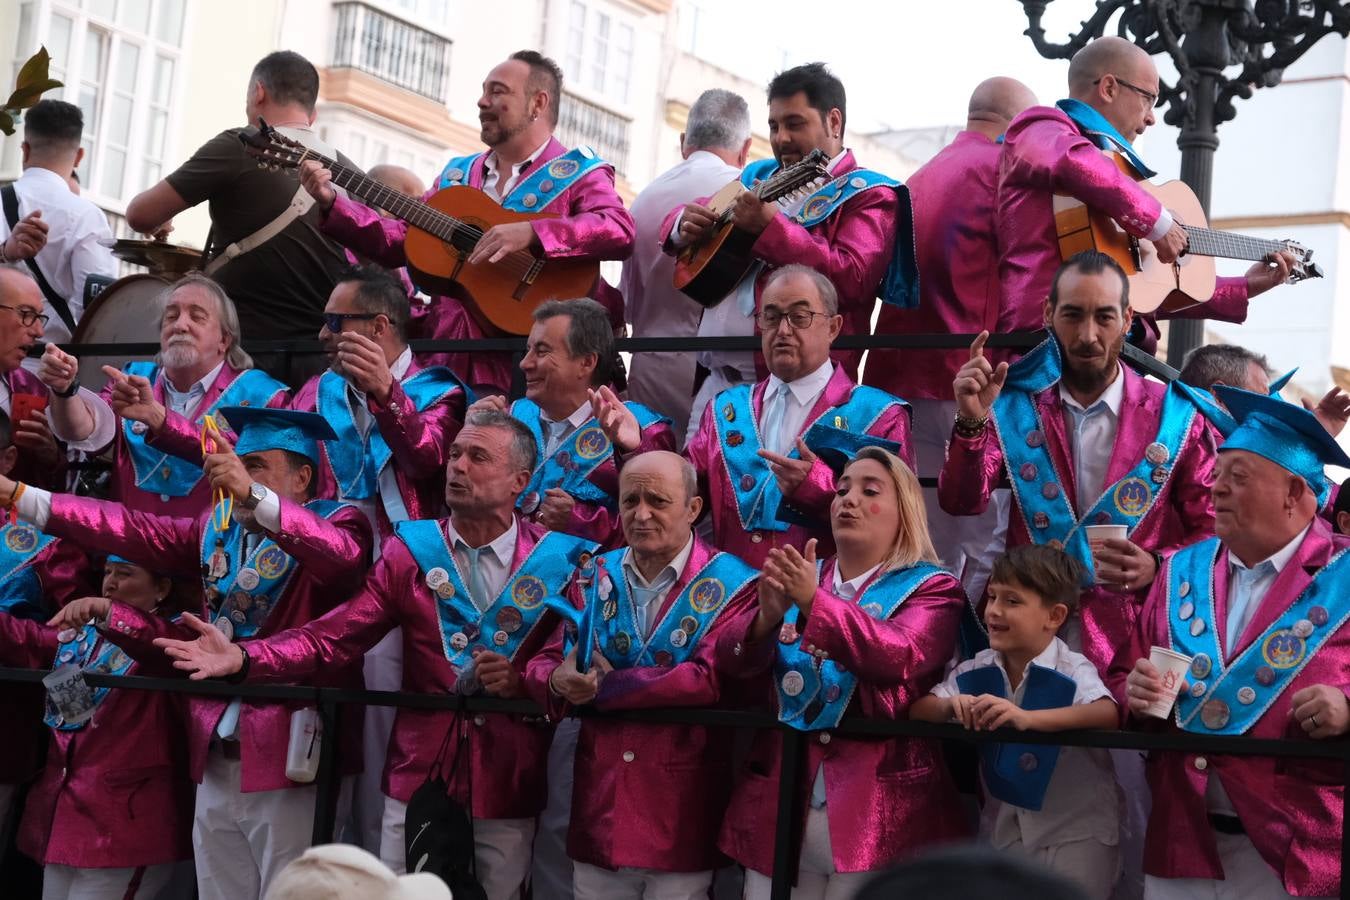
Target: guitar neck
<point x="401" y="206"/>
<point x="1228" y="245"/>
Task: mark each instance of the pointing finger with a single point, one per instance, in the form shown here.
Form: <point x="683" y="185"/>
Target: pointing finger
<point x="977" y="346"/>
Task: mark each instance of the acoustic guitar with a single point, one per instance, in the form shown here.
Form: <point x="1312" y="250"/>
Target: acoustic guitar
<point x="709" y="269"/>
<point x="442" y="232"/>
<point x="1155" y="285"/>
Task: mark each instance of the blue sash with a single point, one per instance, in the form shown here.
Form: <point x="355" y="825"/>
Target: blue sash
<point x="356" y="461"/>
<point x="79" y="650"/>
<point x="1041" y="500"/>
<point x="756" y="489"/>
<point x="249" y="587"/>
<point x="162" y="473"/>
<point x="1229" y="698"/>
<point x="1020" y="773"/>
<point x="580" y="454"/>
<point x="542" y="187"/>
<point x="609" y="622"/>
<point x="21" y="592"/>
<point x="900" y="285"/>
<point x="814" y="693"/>
<point x="1102" y="133"/>
<point x="537" y="584"/>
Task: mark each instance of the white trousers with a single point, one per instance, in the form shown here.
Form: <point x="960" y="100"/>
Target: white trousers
<point x="242" y="841"/>
<point x="501" y="850"/>
<point x="551" y="872"/>
<point x="71" y="883"/>
<point x="1246" y="876"/>
<point x="629" y="883"/>
<point x="816" y="875"/>
<point x="967" y="544"/>
<point x="1090" y="864"/>
<point x="384" y="672"/>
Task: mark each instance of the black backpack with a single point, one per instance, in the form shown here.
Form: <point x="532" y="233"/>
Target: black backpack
<point x="438" y="830"/>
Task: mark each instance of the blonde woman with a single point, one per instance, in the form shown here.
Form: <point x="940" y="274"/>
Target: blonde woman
<point x="862" y="634"/>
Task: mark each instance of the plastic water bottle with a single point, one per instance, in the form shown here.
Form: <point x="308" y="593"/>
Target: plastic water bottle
<point x="302" y="752"/>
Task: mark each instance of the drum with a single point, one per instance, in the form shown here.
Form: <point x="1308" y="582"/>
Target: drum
<point x="127" y="312"/>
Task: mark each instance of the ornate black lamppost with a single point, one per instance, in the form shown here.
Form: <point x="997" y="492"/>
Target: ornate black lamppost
<point x="1222" y="50"/>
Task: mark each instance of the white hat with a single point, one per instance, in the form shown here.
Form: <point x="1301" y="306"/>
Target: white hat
<point x="346" y="872"/>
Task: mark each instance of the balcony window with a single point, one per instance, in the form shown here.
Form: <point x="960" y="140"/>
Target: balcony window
<point x="581" y="122"/>
<point x="391" y="49"/>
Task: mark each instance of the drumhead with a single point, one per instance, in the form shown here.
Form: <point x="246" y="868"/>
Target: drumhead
<point x="126" y="311"/>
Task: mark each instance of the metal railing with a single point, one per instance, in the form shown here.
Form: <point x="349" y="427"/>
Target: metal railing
<point x="789" y="814"/>
<point x="372" y="41"/>
<point x="583" y="123"/>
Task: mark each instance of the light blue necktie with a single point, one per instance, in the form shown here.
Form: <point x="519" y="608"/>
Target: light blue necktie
<point x="771" y="423"/>
<point x="477" y="587"/>
<point x="1238" y="613"/>
<point x="643" y="597"/>
<point x="555" y="436"/>
<point x="1080" y="420"/>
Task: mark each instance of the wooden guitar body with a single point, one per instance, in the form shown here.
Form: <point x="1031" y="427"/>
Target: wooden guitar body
<point x="709" y="270"/>
<point x="501" y="296"/>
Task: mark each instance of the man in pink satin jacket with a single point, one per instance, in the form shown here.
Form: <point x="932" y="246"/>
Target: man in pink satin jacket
<point x="152" y="413"/>
<point x="281" y="559"/>
<point x="755" y="451"/>
<point x="852" y="245"/>
<point x="647" y="799"/>
<point x="1084" y="441"/>
<point x="1051" y="152"/>
<point x="1260" y="611"/>
<point x="41" y="460"/>
<point x="517" y="111"/>
<point x="470" y="594"/>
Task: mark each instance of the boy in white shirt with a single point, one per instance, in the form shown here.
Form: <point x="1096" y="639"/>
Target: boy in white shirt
<point x="1057" y="805"/>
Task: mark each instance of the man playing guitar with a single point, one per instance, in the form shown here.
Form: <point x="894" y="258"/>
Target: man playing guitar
<point x="517" y="113"/>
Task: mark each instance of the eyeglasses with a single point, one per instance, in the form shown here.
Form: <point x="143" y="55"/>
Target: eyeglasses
<point x="1151" y="97"/>
<point x="27" y="315"/>
<point x="797" y="318"/>
<point x="334" y="321"/>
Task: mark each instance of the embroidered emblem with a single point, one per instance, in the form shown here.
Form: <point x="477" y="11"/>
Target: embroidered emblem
<point x="707" y="594"/>
<point x="1040" y="520"/>
<point x="729" y="413"/>
<point x="563" y="168"/>
<point x="816" y="207"/>
<point x="592" y="443"/>
<point x="1132" y="496"/>
<point x="528" y="592"/>
<point x="21" y="538"/>
<point x="1283" y="649"/>
<point x="272" y="562"/>
<point x="735" y="438"/>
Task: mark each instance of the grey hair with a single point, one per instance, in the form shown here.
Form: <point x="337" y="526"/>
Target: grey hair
<point x="719" y="119"/>
<point x="523" y="446"/>
<point x="1219" y="364"/>
<point x="226" y="312"/>
<point x="689" y="475"/>
<point x="829" y="296"/>
<point x="588" y="331"/>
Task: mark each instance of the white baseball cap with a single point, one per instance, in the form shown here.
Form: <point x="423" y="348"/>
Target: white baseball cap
<point x="346" y="872"/>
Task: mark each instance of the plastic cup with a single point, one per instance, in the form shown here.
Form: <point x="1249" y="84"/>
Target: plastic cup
<point x="1172" y="668"/>
<point x="1098" y="533"/>
<point x="70" y="694"/>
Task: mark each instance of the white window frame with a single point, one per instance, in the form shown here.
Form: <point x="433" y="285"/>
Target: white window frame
<point x="616" y="92"/>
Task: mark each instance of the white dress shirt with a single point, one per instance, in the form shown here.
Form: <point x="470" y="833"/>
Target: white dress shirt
<point x="491" y="176"/>
<point x="73" y="251"/>
<point x="494" y="563"/>
<point x="666" y="578"/>
<point x="802" y="395"/>
<point x="1092" y="436"/>
<point x="580" y="416"/>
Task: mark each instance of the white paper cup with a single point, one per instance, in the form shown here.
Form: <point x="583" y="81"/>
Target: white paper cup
<point x="1098" y="533"/>
<point x="69" y="694"/>
<point x="1172" y="668"/>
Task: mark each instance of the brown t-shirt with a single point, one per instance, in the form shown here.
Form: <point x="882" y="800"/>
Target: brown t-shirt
<point x="280" y="287"/>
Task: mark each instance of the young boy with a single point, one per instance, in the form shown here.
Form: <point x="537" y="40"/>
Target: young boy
<point x="1057" y="805"/>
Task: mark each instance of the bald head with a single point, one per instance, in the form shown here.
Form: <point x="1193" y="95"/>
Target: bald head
<point x="400" y="179"/>
<point x="1107" y="56"/>
<point x="21" y="297"/>
<point x="995" y="102"/>
<point x="18" y="285"/>
<point x="658" y="506"/>
<point x="672" y="468"/>
<point x="1119" y="80"/>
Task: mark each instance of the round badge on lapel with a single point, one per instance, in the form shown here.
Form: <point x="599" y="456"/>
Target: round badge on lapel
<point x="437" y="577"/>
<point x="1318" y="616"/>
<point x="509" y="619"/>
<point x="500" y="638"/>
<point x="787" y="634"/>
<point x="1246" y="696"/>
<point x="458" y="641"/>
<point x="735" y="438"/>
<point x="139" y="428"/>
<point x="1185" y="610"/>
<point x="1214" y="714"/>
<point x="663" y="658"/>
<point x="1201" y="665"/>
<point x="793" y="683"/>
<point x="833" y="693"/>
<point x="1040" y="520"/>
<point x="1027" y="472"/>
<point x="1157" y="453"/>
<point x="678" y="638"/>
<point x="689" y="624"/>
<point x="747" y="482"/>
<point x="225" y="627"/>
<point x="247" y="579"/>
<point x="1035" y="438"/>
<point x="1050" y="490"/>
<point x="546" y="186"/>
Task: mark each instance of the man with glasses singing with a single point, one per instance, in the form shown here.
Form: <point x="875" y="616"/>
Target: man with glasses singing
<point x="21" y="324"/>
<point x="757" y="448"/>
<point x="1053" y="154"/>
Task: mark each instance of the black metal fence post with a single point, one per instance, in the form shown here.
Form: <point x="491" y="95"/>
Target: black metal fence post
<point x="785" y="831"/>
<point x="328" y="779"/>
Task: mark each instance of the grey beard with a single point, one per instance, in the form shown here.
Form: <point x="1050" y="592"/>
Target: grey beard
<point x="179" y="356"/>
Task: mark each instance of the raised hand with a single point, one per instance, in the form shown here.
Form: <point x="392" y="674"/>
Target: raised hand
<point x="1333" y="410"/>
<point x="226" y="471"/>
<point x="133" y="397"/>
<point x="1121" y="562"/>
<point x="79" y="613"/>
<point x="978" y="383"/>
<point x="773" y="605"/>
<point x="615" y="419"/>
<point x="498" y="676"/>
<point x="790" y="472"/>
<point x="365" y="365"/>
<point x="58" y="369"/>
<point x="211" y="655"/>
<point x="34" y="435"/>
<point x="793" y="573"/>
<point x="27" y="239"/>
<point x="555" y="511"/>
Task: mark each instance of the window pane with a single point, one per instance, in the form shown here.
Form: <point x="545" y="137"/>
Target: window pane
<point x="576" y="39"/>
<point x="163" y="80"/>
<point x="128" y="61"/>
<point x="119" y="120"/>
<point x="103" y="8"/>
<point x="154" y="146"/>
<point x="95" y="51"/>
<point x="169" y="28"/>
<point x="134" y="14"/>
<point x="58" y="45"/>
<point x="114" y="173"/>
<point x="150" y="174"/>
<point x="599" y="51"/>
<point x="356" y="146"/>
<point x="89" y="106"/>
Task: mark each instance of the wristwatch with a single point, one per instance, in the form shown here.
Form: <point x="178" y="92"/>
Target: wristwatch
<point x="257" y="493"/>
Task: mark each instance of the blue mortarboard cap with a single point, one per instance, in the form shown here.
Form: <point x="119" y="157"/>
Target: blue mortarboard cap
<point x="264" y="428"/>
<point x="837" y="447"/>
<point x="1278" y="384"/>
<point x="1205" y="402"/>
<point x="1287" y="435"/>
